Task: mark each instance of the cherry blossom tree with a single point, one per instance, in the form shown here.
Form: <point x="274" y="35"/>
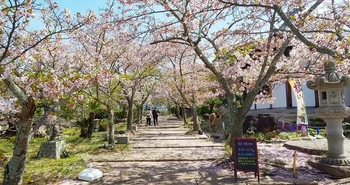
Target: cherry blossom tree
<point x="104" y="46"/>
<point x="121" y="61"/>
<point x="173" y="98"/>
<point x="142" y="96"/>
<point x="138" y="69"/>
<point x="189" y="79"/>
<point x="107" y="93"/>
<point x="52" y="77"/>
<point x="16" y="39"/>
<point x="244" y="43"/>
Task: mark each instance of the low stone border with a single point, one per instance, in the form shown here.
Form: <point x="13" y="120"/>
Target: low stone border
<point x="305" y="150"/>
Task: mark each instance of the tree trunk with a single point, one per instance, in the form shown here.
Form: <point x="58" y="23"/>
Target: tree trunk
<point x="169" y="107"/>
<point x="91" y="124"/>
<point x="130" y="116"/>
<point x="238" y="115"/>
<point x="15" y="167"/>
<point x="232" y="116"/>
<point x="111" y="127"/>
<point x="141" y="113"/>
<point x="184" y="116"/>
<point x="138" y="114"/>
<point x="237" y="130"/>
<point x="194" y="119"/>
<point x="177" y="111"/>
<point x="124" y="112"/>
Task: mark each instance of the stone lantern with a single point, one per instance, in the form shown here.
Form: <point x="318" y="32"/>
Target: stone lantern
<point x="332" y="109"/>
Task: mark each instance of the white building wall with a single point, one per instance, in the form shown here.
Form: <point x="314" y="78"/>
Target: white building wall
<point x="309" y="96"/>
<point x="263" y="106"/>
<point x="279" y="92"/>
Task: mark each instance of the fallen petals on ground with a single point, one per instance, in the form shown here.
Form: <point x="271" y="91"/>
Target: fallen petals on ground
<point x="276" y="164"/>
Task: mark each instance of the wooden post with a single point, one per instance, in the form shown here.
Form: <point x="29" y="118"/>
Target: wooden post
<point x="294" y="163"/>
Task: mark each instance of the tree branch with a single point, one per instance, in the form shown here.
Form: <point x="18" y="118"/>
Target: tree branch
<point x="302" y="38"/>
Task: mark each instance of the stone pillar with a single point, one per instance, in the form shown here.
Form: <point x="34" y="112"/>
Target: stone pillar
<point x="335" y="138"/>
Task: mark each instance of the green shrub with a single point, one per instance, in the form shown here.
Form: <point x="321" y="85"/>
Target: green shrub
<point x="346" y="133"/>
<point x="3" y="158"/>
<point x="70" y="132"/>
<point x="119" y="115"/>
<point x="270" y="135"/>
<point x="312" y="132"/>
<point x="258" y="136"/>
<point x="83" y="124"/>
<point x="203" y="110"/>
<point x="173" y="109"/>
<point x="103" y="125"/>
<point x="346" y="129"/>
<point x="101" y="113"/>
<point x="64" y="154"/>
<point x="227" y="149"/>
<point x="319" y="120"/>
<point x="284" y="135"/>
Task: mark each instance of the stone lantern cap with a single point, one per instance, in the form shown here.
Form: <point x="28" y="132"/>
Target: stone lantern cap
<point x="331" y="79"/>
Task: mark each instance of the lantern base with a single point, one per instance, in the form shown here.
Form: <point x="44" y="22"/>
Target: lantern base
<point x="335" y="161"/>
<point x="336" y="171"/>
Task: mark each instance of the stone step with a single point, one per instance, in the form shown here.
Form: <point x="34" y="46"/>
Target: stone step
<point x="153" y="160"/>
<point x="157" y="129"/>
<point x="182" y="147"/>
<point x="165" y="138"/>
<point x="180" y="133"/>
<point x="163" y="154"/>
<point x="175" y="143"/>
<point x="161" y="127"/>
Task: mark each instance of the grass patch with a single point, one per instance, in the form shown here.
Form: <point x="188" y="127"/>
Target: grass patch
<point x="45" y="170"/>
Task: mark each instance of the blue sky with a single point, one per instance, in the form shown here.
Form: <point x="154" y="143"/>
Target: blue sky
<point x="79" y="5"/>
<point x="74" y="6"/>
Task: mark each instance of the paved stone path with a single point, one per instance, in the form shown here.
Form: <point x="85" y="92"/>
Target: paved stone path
<point x="163" y="154"/>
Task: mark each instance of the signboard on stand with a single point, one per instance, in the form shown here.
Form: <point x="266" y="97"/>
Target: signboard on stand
<point x="246" y="156"/>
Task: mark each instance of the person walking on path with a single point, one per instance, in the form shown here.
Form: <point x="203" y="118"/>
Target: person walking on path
<point x="149" y="116"/>
<point x="155" y="116"/>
